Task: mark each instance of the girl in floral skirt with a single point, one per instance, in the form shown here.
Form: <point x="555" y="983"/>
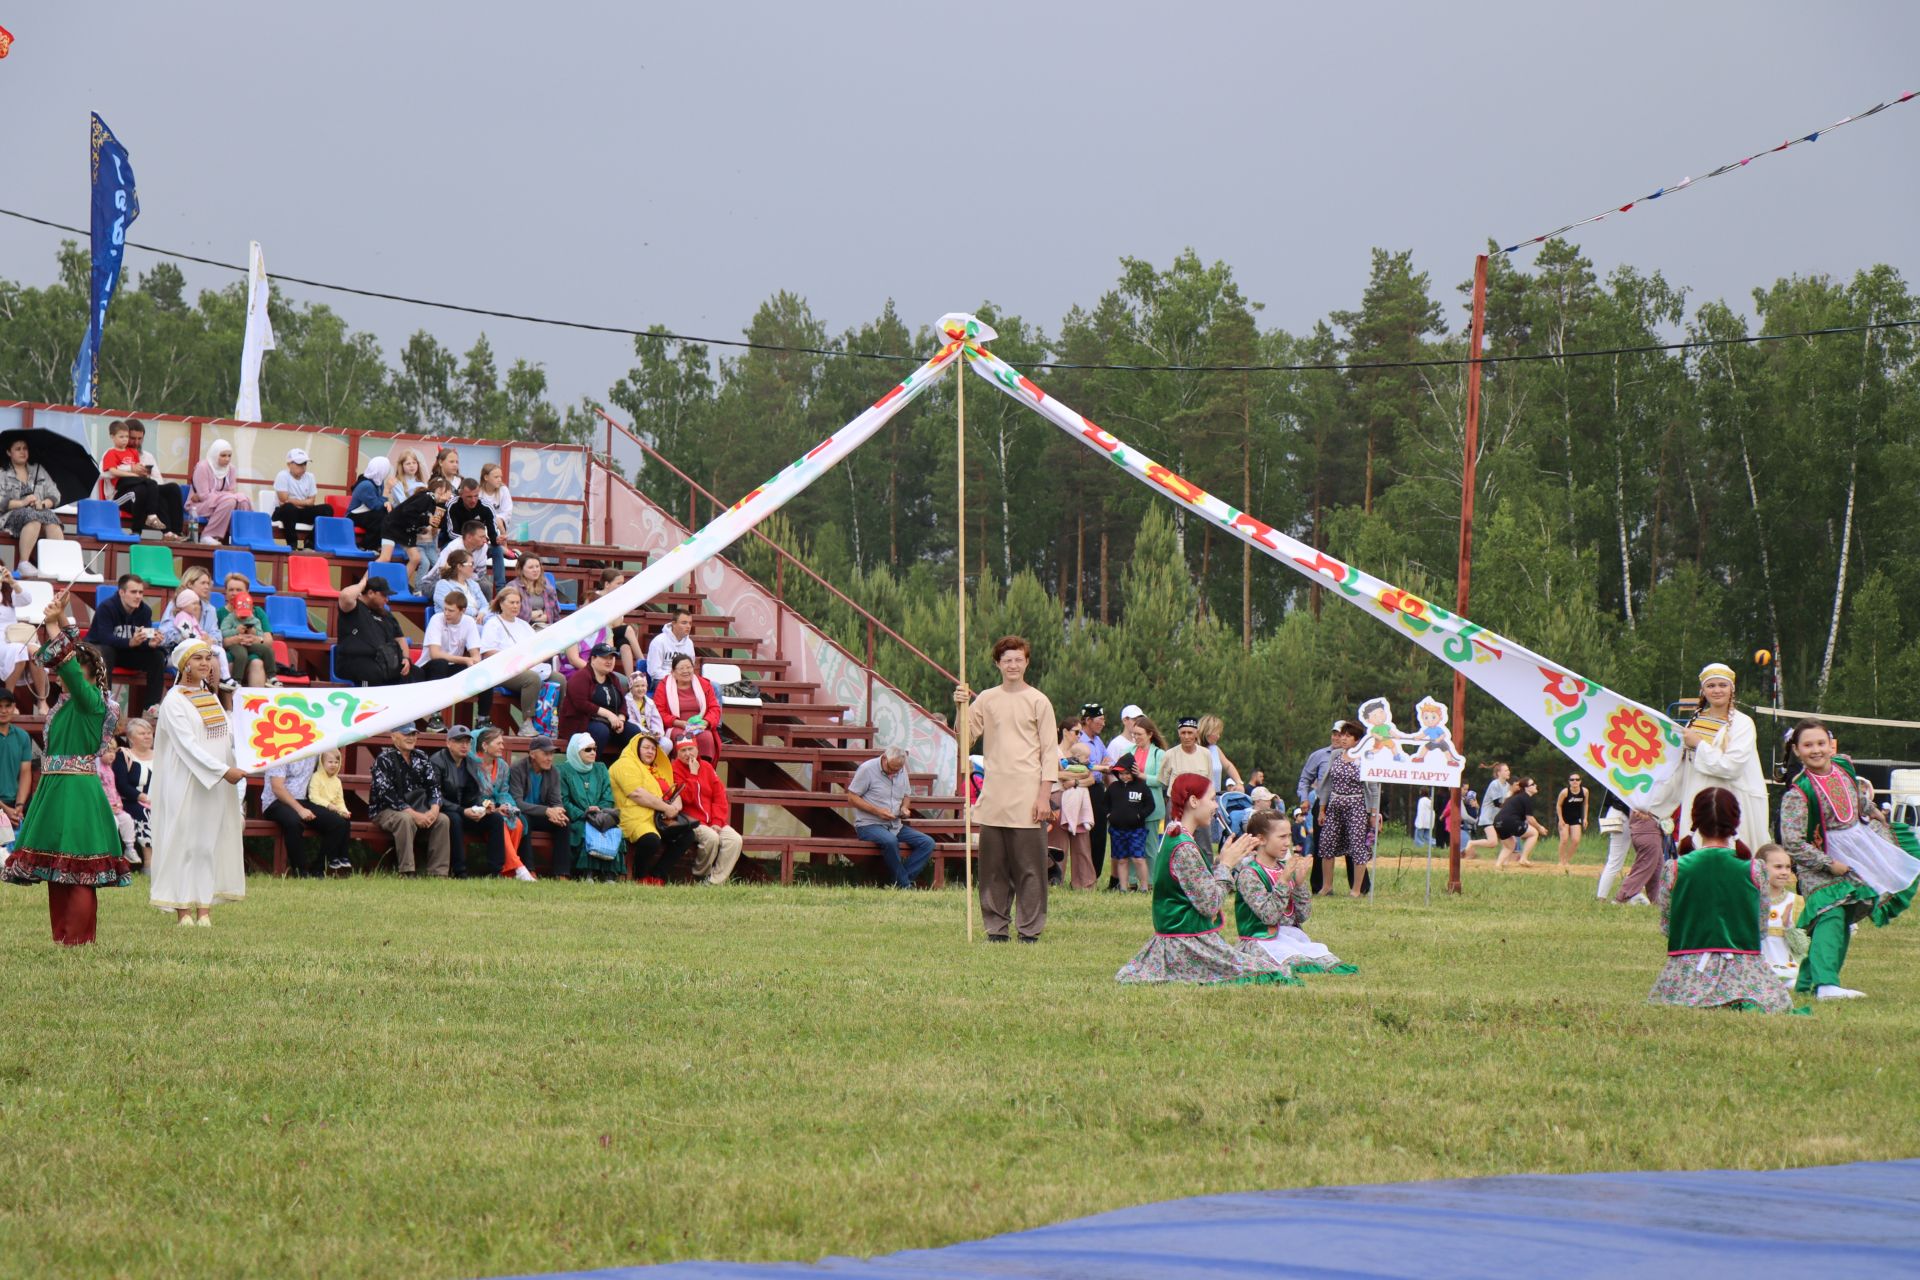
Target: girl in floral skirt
<point x="1713" y="909"/>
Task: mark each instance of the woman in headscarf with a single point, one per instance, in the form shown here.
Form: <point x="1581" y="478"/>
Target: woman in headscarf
<point x="69" y="839"/>
<point x="1720" y="748"/>
<point x="197" y="857"/>
<point x="28" y="496"/>
<point x="586" y="792"/>
<point x="216" y="493"/>
<point x="1189" y="891"/>
<point x="690" y="707"/>
<point x="1713" y="909"/>
<point x="641" y="778"/>
<point x="367" y="503"/>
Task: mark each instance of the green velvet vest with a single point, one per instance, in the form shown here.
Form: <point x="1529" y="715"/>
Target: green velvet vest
<point x="1173" y="910"/>
<point x="1816" y="816"/>
<point x="1249" y="924"/>
<point x="1714" y="906"/>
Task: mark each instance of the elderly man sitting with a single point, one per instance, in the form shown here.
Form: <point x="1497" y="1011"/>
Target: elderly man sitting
<point x="878" y="794"/>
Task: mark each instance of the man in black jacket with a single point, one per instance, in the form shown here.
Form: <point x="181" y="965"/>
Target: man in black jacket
<point x="465" y="508"/>
<point x="463" y="800"/>
<point x="122" y="629"/>
<point x="534" y="785"/>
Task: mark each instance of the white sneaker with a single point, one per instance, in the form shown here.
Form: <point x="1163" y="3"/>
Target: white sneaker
<point x="209" y="542"/>
<point x="1838" y="993"/>
<point x="1639" y="900"/>
<point x="27" y="570"/>
<point x="523" y="874"/>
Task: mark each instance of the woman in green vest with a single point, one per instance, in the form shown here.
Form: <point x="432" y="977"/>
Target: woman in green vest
<point x="1852" y="864"/>
<point x="1189" y="891"/>
<point x="1272" y="900"/>
<point x="1713" y="909"/>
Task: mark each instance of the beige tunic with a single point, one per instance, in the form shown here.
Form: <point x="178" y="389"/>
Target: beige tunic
<point x="1022" y="749"/>
<point x="1177" y="760"/>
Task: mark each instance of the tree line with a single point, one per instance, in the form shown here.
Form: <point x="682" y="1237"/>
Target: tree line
<point x="1638" y="514"/>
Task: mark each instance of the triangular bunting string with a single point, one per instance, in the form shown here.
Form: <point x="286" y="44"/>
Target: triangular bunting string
<point x="274" y="726"/>
<point x="1631" y="748"/>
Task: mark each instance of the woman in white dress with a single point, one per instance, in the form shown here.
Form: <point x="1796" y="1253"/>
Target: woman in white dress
<point x="197" y="858"/>
<point x="1722" y="749"/>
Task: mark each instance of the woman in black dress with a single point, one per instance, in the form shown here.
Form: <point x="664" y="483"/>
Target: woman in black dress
<point x="1571" y="809"/>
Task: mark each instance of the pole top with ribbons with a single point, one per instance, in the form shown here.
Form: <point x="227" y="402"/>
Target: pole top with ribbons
<point x="966" y="329"/>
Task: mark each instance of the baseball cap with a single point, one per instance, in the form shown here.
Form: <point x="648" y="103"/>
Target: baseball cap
<point x="542" y="744"/>
<point x="604" y="650"/>
<point x="408" y="727"/>
<point x="1124" y="764"/>
<point x="1131" y="711"/>
<point x="297" y="456"/>
<point x="377" y="586"/>
<point x="1261" y="793"/>
<point x="459" y="731"/>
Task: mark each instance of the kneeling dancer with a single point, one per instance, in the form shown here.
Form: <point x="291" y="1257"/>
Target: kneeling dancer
<point x="68" y="838"/>
<point x="1272" y="900"/>
<point x="1852" y="863"/>
<point x="1714" y="910"/>
<point x="1188" y="894"/>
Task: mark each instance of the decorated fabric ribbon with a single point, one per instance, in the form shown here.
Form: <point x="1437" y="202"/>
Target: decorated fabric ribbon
<point x="274" y="726"/>
<point x="1630" y="747"/>
<point x="1729" y="167"/>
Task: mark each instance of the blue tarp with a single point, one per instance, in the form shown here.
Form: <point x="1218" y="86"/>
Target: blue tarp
<point x="1845" y="1221"/>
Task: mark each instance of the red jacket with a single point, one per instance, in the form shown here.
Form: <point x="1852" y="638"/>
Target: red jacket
<point x="703" y="796"/>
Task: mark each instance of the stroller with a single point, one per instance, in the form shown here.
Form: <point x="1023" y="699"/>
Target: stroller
<point x="1235" y="808"/>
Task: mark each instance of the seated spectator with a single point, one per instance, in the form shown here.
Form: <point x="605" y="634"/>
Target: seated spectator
<point x="540" y="603"/>
<point x="291" y="805"/>
<point x="244" y="635"/>
<point x="404" y="802"/>
<point x="879" y="794"/>
<point x="28" y="496"/>
<point x="216" y="493"/>
<point x="463" y="798"/>
<point x="122" y="820"/>
<point x="495" y="772"/>
<point x="458" y="575"/>
<point x="297" y="494"/>
<point x="16" y="656"/>
<point x="467" y="509"/>
<point x="413" y="519"/>
<point x="596" y="705"/>
<point x="690" y="706"/>
<point x="703" y="797"/>
<point x="446" y="465"/>
<point x="674" y="638"/>
<point x="452" y="641"/>
<point x="408" y="477"/>
<point x="133" y="777"/>
<point x="367" y="502"/>
<point x="189" y="612"/>
<point x="642" y="712"/>
<point x="493" y="492"/>
<point x="154" y="503"/>
<point x="535" y="787"/>
<point x="17" y="754"/>
<point x="472" y="537"/>
<point x="587" y="793"/>
<point x="370" y="649"/>
<point x="641" y="779"/>
<point x="505" y="628"/>
<point x="122" y="630"/>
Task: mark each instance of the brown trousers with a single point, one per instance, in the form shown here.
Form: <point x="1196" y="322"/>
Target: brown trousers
<point x="1649" y="847"/>
<point x="1013" y="877"/>
<point x="72" y="910"/>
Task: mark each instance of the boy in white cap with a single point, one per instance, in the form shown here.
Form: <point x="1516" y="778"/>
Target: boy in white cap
<point x="298" y="497"/>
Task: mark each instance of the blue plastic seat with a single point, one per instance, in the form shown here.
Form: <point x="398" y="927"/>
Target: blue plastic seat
<point x="254" y="530"/>
<point x="335" y="537"/>
<point x="227" y="561"/>
<point x="395" y="576"/>
<point x="287" y="618"/>
<point x="101" y="521"/>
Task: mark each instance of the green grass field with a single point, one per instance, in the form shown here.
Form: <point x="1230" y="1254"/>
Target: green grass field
<point x="380" y="1077"/>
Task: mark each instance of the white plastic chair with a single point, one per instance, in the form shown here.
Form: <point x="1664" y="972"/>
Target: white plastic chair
<point x="723" y="674"/>
<point x="31" y="596"/>
<point x="1905" y="786"/>
<point x="60" y="561"/>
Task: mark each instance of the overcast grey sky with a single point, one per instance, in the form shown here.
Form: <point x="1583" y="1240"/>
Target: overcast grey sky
<point x="677" y="163"/>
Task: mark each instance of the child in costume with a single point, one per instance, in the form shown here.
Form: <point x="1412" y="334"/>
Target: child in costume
<point x="1189" y="890"/>
<point x="1785" y="943"/>
<point x="1272" y="900"/>
<point x="1714" y="915"/>
<point x="1852" y="865"/>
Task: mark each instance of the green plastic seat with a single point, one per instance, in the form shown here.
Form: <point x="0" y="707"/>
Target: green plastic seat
<point x="153" y="563"/>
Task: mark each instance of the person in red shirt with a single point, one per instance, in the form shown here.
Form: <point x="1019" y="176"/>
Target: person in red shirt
<point x="703" y="797"/>
<point x="684" y="698"/>
<point x="155" y="503"/>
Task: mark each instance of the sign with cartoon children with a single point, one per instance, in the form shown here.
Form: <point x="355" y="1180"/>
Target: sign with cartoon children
<point x="1425" y="756"/>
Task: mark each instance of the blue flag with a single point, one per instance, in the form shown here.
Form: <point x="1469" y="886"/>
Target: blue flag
<point x="115" y="206"/>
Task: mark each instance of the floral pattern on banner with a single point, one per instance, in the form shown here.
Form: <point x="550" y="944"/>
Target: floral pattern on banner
<point x="1631" y="747"/>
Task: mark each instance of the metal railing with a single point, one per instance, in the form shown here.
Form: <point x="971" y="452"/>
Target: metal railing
<point x="696" y="491"/>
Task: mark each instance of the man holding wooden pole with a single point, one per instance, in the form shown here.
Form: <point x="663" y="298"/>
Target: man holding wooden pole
<point x="1022" y="758"/>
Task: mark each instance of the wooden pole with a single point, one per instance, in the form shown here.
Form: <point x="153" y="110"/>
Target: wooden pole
<point x="1472" y="434"/>
<point x="960" y="617"/>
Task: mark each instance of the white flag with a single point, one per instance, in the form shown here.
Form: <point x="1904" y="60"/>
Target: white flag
<point x="259" y="338"/>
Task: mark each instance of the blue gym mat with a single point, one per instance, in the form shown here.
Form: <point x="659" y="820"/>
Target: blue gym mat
<point x="1853" y="1220"/>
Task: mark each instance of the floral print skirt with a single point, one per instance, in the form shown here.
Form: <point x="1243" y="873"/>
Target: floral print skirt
<point x="1203" y="957"/>
<point x="1713" y="979"/>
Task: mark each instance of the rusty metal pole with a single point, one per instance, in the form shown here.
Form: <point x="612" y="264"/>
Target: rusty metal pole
<point x="1472" y="435"/>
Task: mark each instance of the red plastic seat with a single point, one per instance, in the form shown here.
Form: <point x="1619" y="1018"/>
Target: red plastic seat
<point x="338" y="501"/>
<point x="284" y="657"/>
<point x="310" y="576"/>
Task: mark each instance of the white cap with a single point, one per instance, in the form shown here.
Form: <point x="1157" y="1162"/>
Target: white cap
<point x="1261" y="793"/>
<point x="1131" y="712"/>
<point x="297" y="456"/>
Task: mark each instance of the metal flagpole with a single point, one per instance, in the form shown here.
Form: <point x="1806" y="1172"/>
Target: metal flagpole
<point x="960" y="591"/>
<point x="1456" y="839"/>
